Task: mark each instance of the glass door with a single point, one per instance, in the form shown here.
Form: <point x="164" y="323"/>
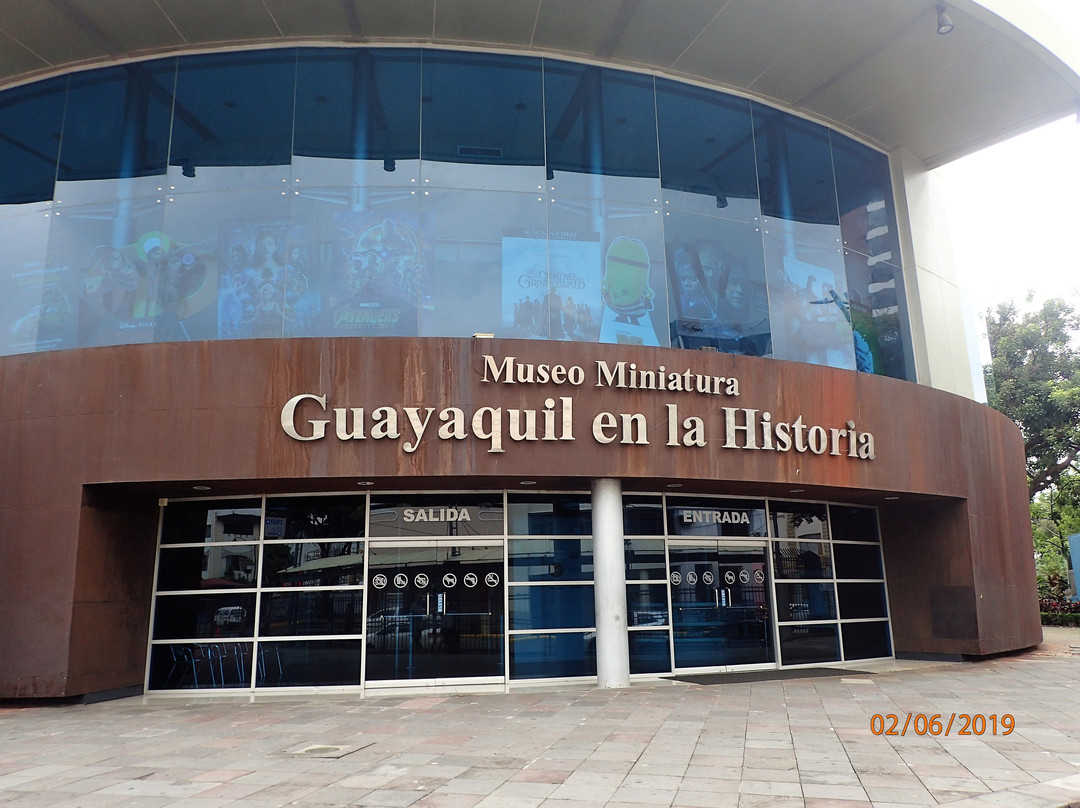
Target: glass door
<point x="435" y="612"/>
<point x="721" y="615"/>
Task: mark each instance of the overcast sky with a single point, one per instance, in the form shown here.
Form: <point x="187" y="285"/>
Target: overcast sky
<point x="1014" y="209"/>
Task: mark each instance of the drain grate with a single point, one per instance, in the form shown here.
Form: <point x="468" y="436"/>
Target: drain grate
<point x="324" y="750"/>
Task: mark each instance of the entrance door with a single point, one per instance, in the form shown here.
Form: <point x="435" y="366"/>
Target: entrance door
<point x="434" y="612"/>
<point x="720" y="605"/>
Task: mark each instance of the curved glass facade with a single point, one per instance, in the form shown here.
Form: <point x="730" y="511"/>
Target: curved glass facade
<point x="366" y="192"/>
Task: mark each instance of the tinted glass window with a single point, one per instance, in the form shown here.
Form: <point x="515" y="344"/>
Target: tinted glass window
<point x="546" y="515"/>
<point x="545" y="607"/>
<point x="178" y="617"/>
<point x="551" y="560"/>
<point x="805" y="602"/>
<point x="643" y="516"/>
<point x="544" y="656"/>
<point x="183" y="666"/>
<point x="802" y="559"/>
<point x="649" y="652"/>
<point x="858" y="560"/>
<point x="315" y="517"/>
<point x="358" y="105"/>
<point x="211" y="521"/>
<point x="210" y="567"/>
<point x="234" y="110"/>
<point x="706" y="516"/>
<point x="861" y="600"/>
<point x="117" y="122"/>
<point x="316" y="563"/>
<point x="437" y="515"/>
<point x="798" y="520"/>
<point x="30" y="119"/>
<point x="866" y="640"/>
<point x="287" y="614"/>
<point x="307" y="663"/>
<point x="853" y="524"/>
<point x="802" y="645"/>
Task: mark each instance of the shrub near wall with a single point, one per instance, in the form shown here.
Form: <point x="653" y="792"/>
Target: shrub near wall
<point x="1059" y="612"/>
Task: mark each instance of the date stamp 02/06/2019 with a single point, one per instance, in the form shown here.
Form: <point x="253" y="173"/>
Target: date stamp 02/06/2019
<point x="942" y="724"/>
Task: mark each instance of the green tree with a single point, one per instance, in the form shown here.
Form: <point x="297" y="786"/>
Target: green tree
<point x="1034" y="379"/>
<point x="1055" y="515"/>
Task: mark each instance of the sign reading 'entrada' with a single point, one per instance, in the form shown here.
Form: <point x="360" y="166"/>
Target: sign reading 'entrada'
<point x="740" y="427"/>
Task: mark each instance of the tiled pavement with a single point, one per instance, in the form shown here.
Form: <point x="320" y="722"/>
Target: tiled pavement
<point x="796" y="742"/>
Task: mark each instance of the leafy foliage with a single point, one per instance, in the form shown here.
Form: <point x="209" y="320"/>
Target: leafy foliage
<point x="1034" y="379"/>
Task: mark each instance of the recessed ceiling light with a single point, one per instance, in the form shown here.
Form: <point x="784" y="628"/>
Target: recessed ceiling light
<point x="201" y="487"/>
<point x="365" y="482"/>
<point x="528" y="482"/>
<point x="674" y="485"/>
<point x="892" y="498"/>
<point x="797" y="490"/>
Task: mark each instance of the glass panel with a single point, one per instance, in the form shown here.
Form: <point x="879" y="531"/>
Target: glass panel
<point x="437" y="515"/>
<point x="548" y="656"/>
<point x="858" y="561"/>
<point x="864" y="195"/>
<point x="853" y="524"/>
<point x="645" y="559"/>
<point x="802" y="559"/>
<point x="24" y="283"/>
<point x="315" y="517"/>
<point x="798" y="520"/>
<point x="601" y="133"/>
<point x="643" y="516"/>
<point x="326" y="563"/>
<point x="878" y="316"/>
<point x="483" y="122"/>
<point x="547" y="607"/>
<point x="360" y="105"/>
<point x="287" y="614"/>
<point x="646" y="605"/>
<point x="219" y="566"/>
<point x="233" y="109"/>
<point x="716" y="271"/>
<point x="117" y="122"/>
<point x="360" y="251"/>
<point x="30" y="118"/>
<point x="179" y="617"/>
<point x="808" y="298"/>
<point x="805" y="602"/>
<point x="195" y="522"/>
<point x="550" y="560"/>
<point x="428" y="604"/>
<point x="795" y="169"/>
<point x="547" y="514"/>
<point x="720" y="606"/>
<point x="705" y="516"/>
<point x="487" y="258"/>
<point x="861" y="600"/>
<point x="866" y="640"/>
<point x="803" y="645"/>
<point x="649" y="652"/>
<point x="609" y="256"/>
<point x="200" y="665"/>
<point x="709" y="167"/>
<point x="309" y="663"/>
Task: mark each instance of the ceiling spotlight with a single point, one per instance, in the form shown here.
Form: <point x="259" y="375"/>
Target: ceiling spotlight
<point x="528" y="482"/>
<point x="944" y="21"/>
<point x="365" y="482"/>
<point x="200" y="488"/>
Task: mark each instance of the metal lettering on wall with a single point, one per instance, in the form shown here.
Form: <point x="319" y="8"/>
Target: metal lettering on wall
<point x="302" y="416"/>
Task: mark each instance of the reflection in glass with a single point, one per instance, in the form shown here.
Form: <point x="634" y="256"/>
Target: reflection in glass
<point x="853" y="524"/>
<point x="643" y="516"/>
<point x="645" y="559"/>
<point x="798" y="520"/>
<point x="308" y="663"/>
<point x="805" y="601"/>
<point x="33" y="315"/>
<point x="803" y="645"/>
<point x="215" y="566"/>
<point x="646" y="605"/>
<point x="549" y="514"/>
<point x="802" y="559"/>
<point x="190" y="666"/>
<point x="196" y="521"/>
<point x="547" y="607"/>
<point x="324" y="563"/>
<point x="178" y="617"/>
<point x="550" y="560"/>
<point x="326" y="517"/>
<point x="550" y="656"/>
<point x="328" y="611"/>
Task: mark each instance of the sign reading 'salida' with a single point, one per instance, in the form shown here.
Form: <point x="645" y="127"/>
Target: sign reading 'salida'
<point x="308" y="416"/>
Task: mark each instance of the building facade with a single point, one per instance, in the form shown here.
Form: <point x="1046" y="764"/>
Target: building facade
<point x="337" y="359"/>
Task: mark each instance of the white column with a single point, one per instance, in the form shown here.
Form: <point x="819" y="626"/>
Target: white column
<point x="609" y="567"/>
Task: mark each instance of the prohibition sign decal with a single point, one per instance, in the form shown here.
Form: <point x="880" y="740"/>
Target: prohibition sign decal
<point x="379" y="581"/>
<point x="707" y="577"/>
<point x="449" y="580"/>
<point x="676" y="578"/>
<point x="421" y="580"/>
<point x="729" y="577"/>
<point x="759" y="576"/>
<point x="744" y="576"/>
<point x="401" y="580"/>
<point x="691" y="578"/>
<point x="492" y="579"/>
<point x="471" y="580"/>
